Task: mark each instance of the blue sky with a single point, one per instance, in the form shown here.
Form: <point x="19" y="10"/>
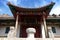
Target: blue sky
<point x="4" y="9"/>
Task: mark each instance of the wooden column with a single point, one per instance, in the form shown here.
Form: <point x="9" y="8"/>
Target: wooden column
<point x="44" y="22"/>
<point x="16" y="25"/>
<point x="43" y="30"/>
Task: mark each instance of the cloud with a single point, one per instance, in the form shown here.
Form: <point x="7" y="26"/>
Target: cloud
<point x="13" y="1"/>
<point x="55" y="10"/>
<point x="42" y="3"/>
<point x="0" y="10"/>
<point x="32" y="3"/>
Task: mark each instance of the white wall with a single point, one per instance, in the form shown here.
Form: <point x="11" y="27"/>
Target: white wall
<point x="57" y="34"/>
<point x="2" y="31"/>
<point x="57" y="30"/>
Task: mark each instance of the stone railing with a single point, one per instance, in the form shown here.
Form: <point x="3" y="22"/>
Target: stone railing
<point x="56" y="36"/>
<point x="32" y="39"/>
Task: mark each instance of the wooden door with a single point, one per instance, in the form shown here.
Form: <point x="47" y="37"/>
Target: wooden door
<point x="23" y="33"/>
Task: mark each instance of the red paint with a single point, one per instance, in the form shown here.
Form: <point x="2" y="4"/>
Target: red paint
<point x="23" y="28"/>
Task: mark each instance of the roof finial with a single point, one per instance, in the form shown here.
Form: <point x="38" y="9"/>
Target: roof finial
<point x="8" y="3"/>
<point x="54" y="15"/>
